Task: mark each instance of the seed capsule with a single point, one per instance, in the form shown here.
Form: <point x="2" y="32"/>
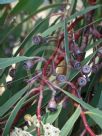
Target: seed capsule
<point x="37" y="39"/>
<point x="28" y="64"/>
<point x="86" y="69"/>
<point x="76" y="64"/>
<point x="99" y="52"/>
<point x="12" y="72"/>
<point x="96" y="67"/>
<point x="77" y="50"/>
<point x="82" y="81"/>
<point x="61" y="78"/>
<point x="52" y="106"/>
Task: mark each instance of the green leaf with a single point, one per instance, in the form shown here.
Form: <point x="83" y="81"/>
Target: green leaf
<point x="6" y="106"/>
<point x="70" y="123"/>
<point x="15" y="28"/>
<point x="100" y="101"/>
<point x="51" y="117"/>
<point x="13" y="115"/>
<point x="26" y="6"/>
<point x="29" y="36"/>
<point x="6" y="1"/>
<point x="66" y="42"/>
<point x="5" y="62"/>
<point x="61" y="23"/>
<point x="72" y="7"/>
<point x="93" y="45"/>
<point x="95" y="113"/>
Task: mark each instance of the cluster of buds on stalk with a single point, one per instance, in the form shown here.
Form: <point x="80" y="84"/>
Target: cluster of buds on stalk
<point x="77" y="56"/>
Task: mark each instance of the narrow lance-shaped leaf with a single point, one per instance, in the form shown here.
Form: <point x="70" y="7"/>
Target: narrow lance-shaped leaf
<point x="60" y="24"/>
<point x="6" y="106"/>
<point x="66" y="41"/>
<point x="13" y="115"/>
<point x="93" y="45"/>
<point x="70" y="123"/>
<point x="100" y="101"/>
<point x="53" y="116"/>
<point x="28" y="6"/>
<point x="55" y="27"/>
<point x="72" y="7"/>
<point x="5" y="62"/>
<point x="6" y="1"/>
<point x="94" y="113"/>
<point x="14" y="29"/>
<point x="29" y="36"/>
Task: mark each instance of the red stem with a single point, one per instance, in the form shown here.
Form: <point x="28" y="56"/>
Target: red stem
<point x="51" y="58"/>
<point x="92" y="2"/>
<point x="39" y="108"/>
<point x="87" y="127"/>
<point x="44" y="73"/>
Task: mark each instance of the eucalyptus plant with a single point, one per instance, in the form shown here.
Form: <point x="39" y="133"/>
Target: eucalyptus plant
<point x="50" y="68"/>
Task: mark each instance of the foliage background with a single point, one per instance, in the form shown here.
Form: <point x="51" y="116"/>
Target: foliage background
<point x="19" y="21"/>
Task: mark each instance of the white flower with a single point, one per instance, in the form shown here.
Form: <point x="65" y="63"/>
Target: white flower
<point x="35" y="121"/>
<point x="19" y="132"/>
<point x="50" y="130"/>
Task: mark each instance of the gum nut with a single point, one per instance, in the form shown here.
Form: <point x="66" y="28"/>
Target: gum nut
<point x="77" y="65"/>
<point x="82" y="81"/>
<point x="52" y="106"/>
<point x="37" y="39"/>
<point x="99" y="52"/>
<point x="94" y="68"/>
<point x="28" y="64"/>
<point x="12" y="72"/>
<point x="61" y="78"/>
<point x="86" y="69"/>
<point x="77" y="51"/>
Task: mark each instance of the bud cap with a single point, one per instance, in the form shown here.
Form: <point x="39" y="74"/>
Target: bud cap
<point x="52" y="106"/>
<point x="37" y="39"/>
<point x="61" y="78"/>
<point x="28" y="64"/>
<point x="82" y="81"/>
<point x="86" y="69"/>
